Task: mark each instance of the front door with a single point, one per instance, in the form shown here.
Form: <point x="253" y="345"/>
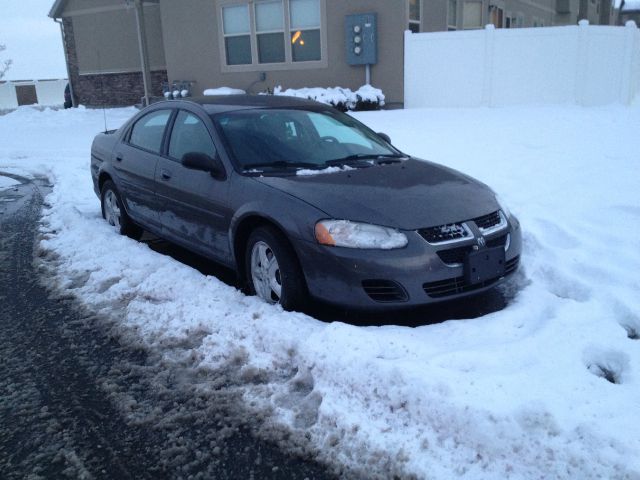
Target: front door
<point x="194" y="205"/>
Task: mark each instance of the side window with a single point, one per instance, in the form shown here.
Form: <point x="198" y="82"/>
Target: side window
<point x="148" y="131"/>
<point x="190" y="135"/>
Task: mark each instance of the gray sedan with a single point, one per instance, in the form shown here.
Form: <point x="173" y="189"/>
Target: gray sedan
<point x="302" y="200"/>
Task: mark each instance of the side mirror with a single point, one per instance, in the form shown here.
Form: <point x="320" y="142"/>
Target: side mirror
<point x="385" y="137"/>
<point x="202" y="161"/>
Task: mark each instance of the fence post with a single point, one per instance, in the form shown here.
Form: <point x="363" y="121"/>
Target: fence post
<point x="407" y="53"/>
<point x="487" y="80"/>
<point x="582" y="62"/>
<point x="629" y="78"/>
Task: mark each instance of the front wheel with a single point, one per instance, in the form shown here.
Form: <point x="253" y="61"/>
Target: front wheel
<point x="272" y="269"/>
<point x="114" y="213"/>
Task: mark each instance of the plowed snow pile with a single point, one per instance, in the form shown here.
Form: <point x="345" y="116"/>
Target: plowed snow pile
<point x="549" y="387"/>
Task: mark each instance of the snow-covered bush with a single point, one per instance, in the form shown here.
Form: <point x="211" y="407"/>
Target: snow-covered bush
<point x="365" y="98"/>
<point x="223" y="91"/>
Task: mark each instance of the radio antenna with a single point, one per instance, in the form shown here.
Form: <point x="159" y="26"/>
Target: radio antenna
<point x="104" y="108"/>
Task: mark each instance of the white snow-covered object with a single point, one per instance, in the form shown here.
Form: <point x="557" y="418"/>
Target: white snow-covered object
<point x="223" y="91"/>
<point x="367" y="93"/>
<point x="335" y="96"/>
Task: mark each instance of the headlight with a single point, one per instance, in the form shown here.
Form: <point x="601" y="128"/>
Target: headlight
<point x="343" y="233"/>
<point x="503" y="206"/>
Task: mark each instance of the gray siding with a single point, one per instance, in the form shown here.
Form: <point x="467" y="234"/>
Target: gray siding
<point x="110" y="40"/>
<point x="192" y="49"/>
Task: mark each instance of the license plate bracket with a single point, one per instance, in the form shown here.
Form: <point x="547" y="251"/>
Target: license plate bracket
<point x="483" y="265"/>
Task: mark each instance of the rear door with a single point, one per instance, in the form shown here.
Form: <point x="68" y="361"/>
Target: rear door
<point x="135" y="161"/>
<point x="194" y="205"/>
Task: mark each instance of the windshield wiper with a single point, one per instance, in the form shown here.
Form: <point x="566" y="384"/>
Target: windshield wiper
<point x="281" y="164"/>
<point x="385" y="158"/>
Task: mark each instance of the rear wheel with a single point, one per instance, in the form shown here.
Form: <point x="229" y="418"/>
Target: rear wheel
<point x="115" y="214"/>
<point x="272" y="269"/>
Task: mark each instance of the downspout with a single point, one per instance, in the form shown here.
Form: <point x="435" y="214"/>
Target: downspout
<point x="66" y="61"/>
<point x="144" y="55"/>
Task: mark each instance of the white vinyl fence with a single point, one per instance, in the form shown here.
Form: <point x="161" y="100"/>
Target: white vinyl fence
<point x="48" y="92"/>
<point x="582" y="64"/>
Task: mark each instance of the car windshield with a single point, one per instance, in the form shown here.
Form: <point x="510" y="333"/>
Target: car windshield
<point x="291" y="139"/>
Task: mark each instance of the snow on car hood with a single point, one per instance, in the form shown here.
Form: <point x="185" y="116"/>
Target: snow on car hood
<point x="408" y="195"/>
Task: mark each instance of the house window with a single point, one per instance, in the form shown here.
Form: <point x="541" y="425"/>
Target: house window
<point x="472" y="15"/>
<point x="304" y="17"/>
<point x="237" y="34"/>
<point x="414" y="15"/>
<point x="452" y="15"/>
<point x="272" y="32"/>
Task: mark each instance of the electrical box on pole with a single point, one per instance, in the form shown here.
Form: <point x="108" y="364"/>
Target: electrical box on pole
<point x="361" y="38"/>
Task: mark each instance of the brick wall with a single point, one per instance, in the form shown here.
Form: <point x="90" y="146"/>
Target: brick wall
<point x="109" y="89"/>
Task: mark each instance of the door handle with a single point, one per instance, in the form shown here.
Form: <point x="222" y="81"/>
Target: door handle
<point x="119" y="157"/>
<point x="165" y="174"/>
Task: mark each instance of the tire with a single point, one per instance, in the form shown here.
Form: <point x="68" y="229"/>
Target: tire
<point x="114" y="213"/>
<point x="281" y="282"/>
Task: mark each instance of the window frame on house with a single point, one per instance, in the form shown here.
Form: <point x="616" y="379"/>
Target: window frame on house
<point x="452" y="25"/>
<point x="414" y="21"/>
<point x="288" y="33"/>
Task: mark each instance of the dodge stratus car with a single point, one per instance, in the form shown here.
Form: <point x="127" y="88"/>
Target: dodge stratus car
<point x="303" y="200"/>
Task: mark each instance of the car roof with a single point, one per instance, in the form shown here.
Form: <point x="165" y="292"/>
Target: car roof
<point x="226" y="103"/>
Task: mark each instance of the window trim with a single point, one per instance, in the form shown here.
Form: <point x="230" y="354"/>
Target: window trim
<point x="411" y="21"/>
<point x="452" y="26"/>
<point x="288" y="64"/>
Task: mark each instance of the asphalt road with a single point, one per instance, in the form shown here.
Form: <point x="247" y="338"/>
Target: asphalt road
<point x="77" y="401"/>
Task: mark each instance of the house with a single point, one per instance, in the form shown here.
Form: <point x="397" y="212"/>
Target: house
<point x="114" y="48"/>
<point x="46" y="92"/>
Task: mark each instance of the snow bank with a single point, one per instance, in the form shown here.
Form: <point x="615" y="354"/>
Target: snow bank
<point x="519" y="393"/>
<point x="223" y="91"/>
<point x="336" y="96"/>
<point x="6" y="182"/>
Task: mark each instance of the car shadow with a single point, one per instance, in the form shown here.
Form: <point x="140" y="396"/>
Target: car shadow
<point x="476" y="306"/>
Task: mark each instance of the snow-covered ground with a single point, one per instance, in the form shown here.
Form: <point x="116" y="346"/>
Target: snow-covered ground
<point x="518" y="393"/>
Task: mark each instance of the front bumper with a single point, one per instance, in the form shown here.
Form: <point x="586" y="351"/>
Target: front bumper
<point x="411" y="276"/>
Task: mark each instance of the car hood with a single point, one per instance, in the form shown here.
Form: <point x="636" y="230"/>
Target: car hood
<point x="408" y="195"/>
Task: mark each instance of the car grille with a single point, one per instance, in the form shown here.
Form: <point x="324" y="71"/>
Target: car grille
<point x="452" y="232"/>
<point x="500" y="241"/>
<point x="453" y="256"/>
<point x="444" y="233"/>
<point x="457" y="285"/>
<point x="384" y="291"/>
<point x="488" y="221"/>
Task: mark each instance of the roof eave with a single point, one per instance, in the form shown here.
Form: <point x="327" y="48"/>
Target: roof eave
<point x="56" y="9"/>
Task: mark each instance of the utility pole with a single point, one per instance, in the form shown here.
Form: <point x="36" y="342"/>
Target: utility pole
<point x="144" y="52"/>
